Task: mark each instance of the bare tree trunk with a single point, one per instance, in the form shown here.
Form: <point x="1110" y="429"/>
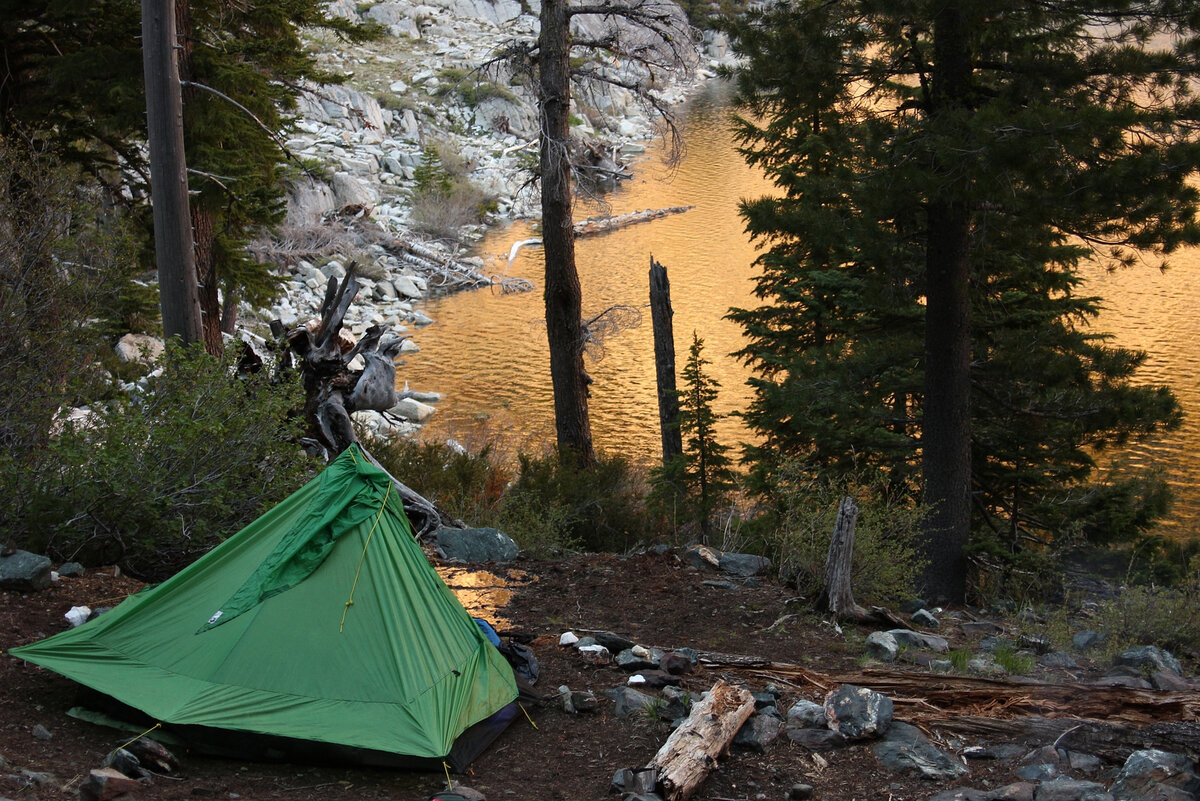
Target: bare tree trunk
<point x="563" y="295"/>
<point x="946" y="423"/>
<point x="838" y="594"/>
<point x="691" y="751"/>
<point x="664" y="362"/>
<point x="173" y="248"/>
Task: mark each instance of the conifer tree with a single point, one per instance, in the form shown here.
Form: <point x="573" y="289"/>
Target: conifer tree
<point x="944" y="169"/>
<point x="708" y="471"/>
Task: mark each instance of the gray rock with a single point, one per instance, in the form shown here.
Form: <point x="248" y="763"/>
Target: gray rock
<point x="743" y="564"/>
<point x="994" y="644"/>
<point x="758" y="732"/>
<point x="916" y="639"/>
<point x="613" y="642"/>
<point x="923" y="617"/>
<point x="677" y="703"/>
<point x="1037" y="643"/>
<point x="702" y="556"/>
<point x="816" y="739"/>
<point x="800" y="792"/>
<point x="71" y="570"/>
<point x="980" y="628"/>
<point x="1017" y="791"/>
<point x="640" y="780"/>
<point x="23" y="571"/>
<point x="1170" y="681"/>
<point x="1037" y="772"/>
<point x="912" y="605"/>
<point x="905" y="749"/>
<point x="308" y="202"/>
<point x="629" y="700"/>
<point x="959" y="794"/>
<point x="721" y="585"/>
<point x="139" y="349"/>
<point x="583" y="701"/>
<point x="475" y="544"/>
<point x="764" y="699"/>
<point x="1064" y="788"/>
<point x="806" y="715"/>
<point x="41" y="732"/>
<point x="1057" y="659"/>
<point x="882" y="645"/>
<point x="628" y="660"/>
<point x="1154" y="774"/>
<point x="1087" y="639"/>
<point x="858" y="713"/>
<point x="1149" y="658"/>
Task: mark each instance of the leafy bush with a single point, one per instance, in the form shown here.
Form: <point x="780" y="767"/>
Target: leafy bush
<point x="1148" y="615"/>
<point x="540" y="526"/>
<point x="601" y="509"/>
<point x="465" y="486"/>
<point x="885" y="565"/>
<point x="158" y="481"/>
<point x="444" y="200"/>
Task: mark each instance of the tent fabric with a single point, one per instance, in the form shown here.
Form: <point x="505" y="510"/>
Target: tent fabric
<point x="333" y="627"/>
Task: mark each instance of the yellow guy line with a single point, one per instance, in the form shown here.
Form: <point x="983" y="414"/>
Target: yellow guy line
<point x="363" y="556"/>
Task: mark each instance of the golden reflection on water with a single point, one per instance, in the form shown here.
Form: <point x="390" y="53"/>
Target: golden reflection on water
<point x="486" y="353"/>
<point x="484" y="593"/>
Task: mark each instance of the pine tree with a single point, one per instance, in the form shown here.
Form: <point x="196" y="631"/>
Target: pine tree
<point x="708" y="471"/>
<point x="945" y="168"/>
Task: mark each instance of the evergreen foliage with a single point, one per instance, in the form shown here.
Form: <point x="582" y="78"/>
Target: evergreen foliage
<point x="1043" y="135"/>
<point x="702" y="478"/>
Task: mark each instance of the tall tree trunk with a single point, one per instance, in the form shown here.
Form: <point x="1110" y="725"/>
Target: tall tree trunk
<point x="563" y="295"/>
<point x="664" y="362"/>
<point x="203" y="228"/>
<point x="946" y="427"/>
<point x="173" y="248"/>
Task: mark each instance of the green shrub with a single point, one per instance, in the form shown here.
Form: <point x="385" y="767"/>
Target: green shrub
<point x="602" y="507"/>
<point x="540" y="526"/>
<point x="444" y="200"/>
<point x="885" y="564"/>
<point x="1014" y="662"/>
<point x="463" y="485"/>
<point x="160" y="480"/>
<point x="1166" y="617"/>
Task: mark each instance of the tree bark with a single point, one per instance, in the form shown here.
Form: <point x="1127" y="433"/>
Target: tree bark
<point x="664" y="361"/>
<point x="173" y="248"/>
<point x="946" y="424"/>
<point x="838" y="594"/>
<point x="691" y="751"/>
<point x="563" y="295"/>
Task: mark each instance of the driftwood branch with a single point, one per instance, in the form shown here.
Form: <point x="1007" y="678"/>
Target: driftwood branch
<point x="602" y="225"/>
<point x="691" y="751"/>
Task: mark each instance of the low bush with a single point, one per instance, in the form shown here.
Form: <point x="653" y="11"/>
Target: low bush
<point x="1168" y="617"/>
<point x="886" y="563"/>
<point x="154" y="482"/>
<point x="465" y="486"/>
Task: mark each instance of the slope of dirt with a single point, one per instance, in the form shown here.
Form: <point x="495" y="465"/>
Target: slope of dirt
<point x="655" y="599"/>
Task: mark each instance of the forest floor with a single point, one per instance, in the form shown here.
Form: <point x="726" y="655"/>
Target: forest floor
<point x="656" y="599"/>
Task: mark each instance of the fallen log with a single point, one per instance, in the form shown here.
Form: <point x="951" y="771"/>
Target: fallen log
<point x="602" y="225"/>
<point x="1111" y="741"/>
<point x="691" y="751"/>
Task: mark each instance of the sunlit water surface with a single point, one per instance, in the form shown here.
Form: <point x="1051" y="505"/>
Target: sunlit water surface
<point x="487" y="354"/>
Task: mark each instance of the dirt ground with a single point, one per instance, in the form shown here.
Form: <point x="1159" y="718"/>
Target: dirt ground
<point x="655" y="599"/>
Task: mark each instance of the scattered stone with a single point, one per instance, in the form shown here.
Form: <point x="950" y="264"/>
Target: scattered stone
<point x="800" y="792"/>
<point x="124" y="762"/>
<point x="78" y="615"/>
<point x="22" y="571"/>
<point x="677" y="703"/>
<point x="475" y="544"/>
<point x="628" y="660"/>
<point x="1149" y="658"/>
<point x="628" y="701"/>
<point x="912" y="605"/>
<point x="980" y="628"/>
<point x="1037" y="772"/>
<point x="858" y="713"/>
<point x="577" y="701"/>
<point x="816" y="739"/>
<point x="595" y="654"/>
<point x="905" y="749"/>
<point x="882" y="645"/>
<point x="1017" y="791"/>
<point x="1058" y="659"/>
<point x="702" y="556"/>
<point x="1084" y="763"/>
<point x="568" y="638"/>
<point x="105" y="783"/>
<point x="919" y="640"/>
<point x="469" y="793"/>
<point x="993" y="644"/>
<point x="638" y="781"/>
<point x="1087" y="639"/>
<point x="806" y="714"/>
<point x="655" y="679"/>
<point x="764" y="699"/>
<point x="960" y="794"/>
<point x="1037" y="643"/>
<point x="676" y="663"/>
<point x="71" y="570"/>
<point x="758" y="732"/>
<point x="721" y="585"/>
<point x="985" y="666"/>
<point x="139" y="348"/>
<point x="941" y="666"/>
<point x="743" y="564"/>
<point x="614" y="642"/>
<point x="1000" y="751"/>
<point x="1065" y="788"/>
<point x="923" y="617"/>
<point x="41" y="732"/>
<point x="1169" y="681"/>
<point x="1154" y="774"/>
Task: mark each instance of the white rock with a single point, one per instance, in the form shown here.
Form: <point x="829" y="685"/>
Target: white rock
<point x="140" y="348"/>
<point x="568" y="638"/>
<point x="412" y="410"/>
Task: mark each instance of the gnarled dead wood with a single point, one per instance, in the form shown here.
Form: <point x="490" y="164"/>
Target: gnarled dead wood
<point x="602" y="225"/>
<point x="838" y="596"/>
<point x="691" y="751"/>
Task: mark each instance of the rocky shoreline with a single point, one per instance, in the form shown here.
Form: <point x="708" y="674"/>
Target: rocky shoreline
<point x="367" y="138"/>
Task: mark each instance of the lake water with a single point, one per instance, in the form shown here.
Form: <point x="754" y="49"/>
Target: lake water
<point x="487" y="354"/>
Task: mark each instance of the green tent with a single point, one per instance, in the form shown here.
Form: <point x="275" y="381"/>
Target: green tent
<point x="321" y="621"/>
